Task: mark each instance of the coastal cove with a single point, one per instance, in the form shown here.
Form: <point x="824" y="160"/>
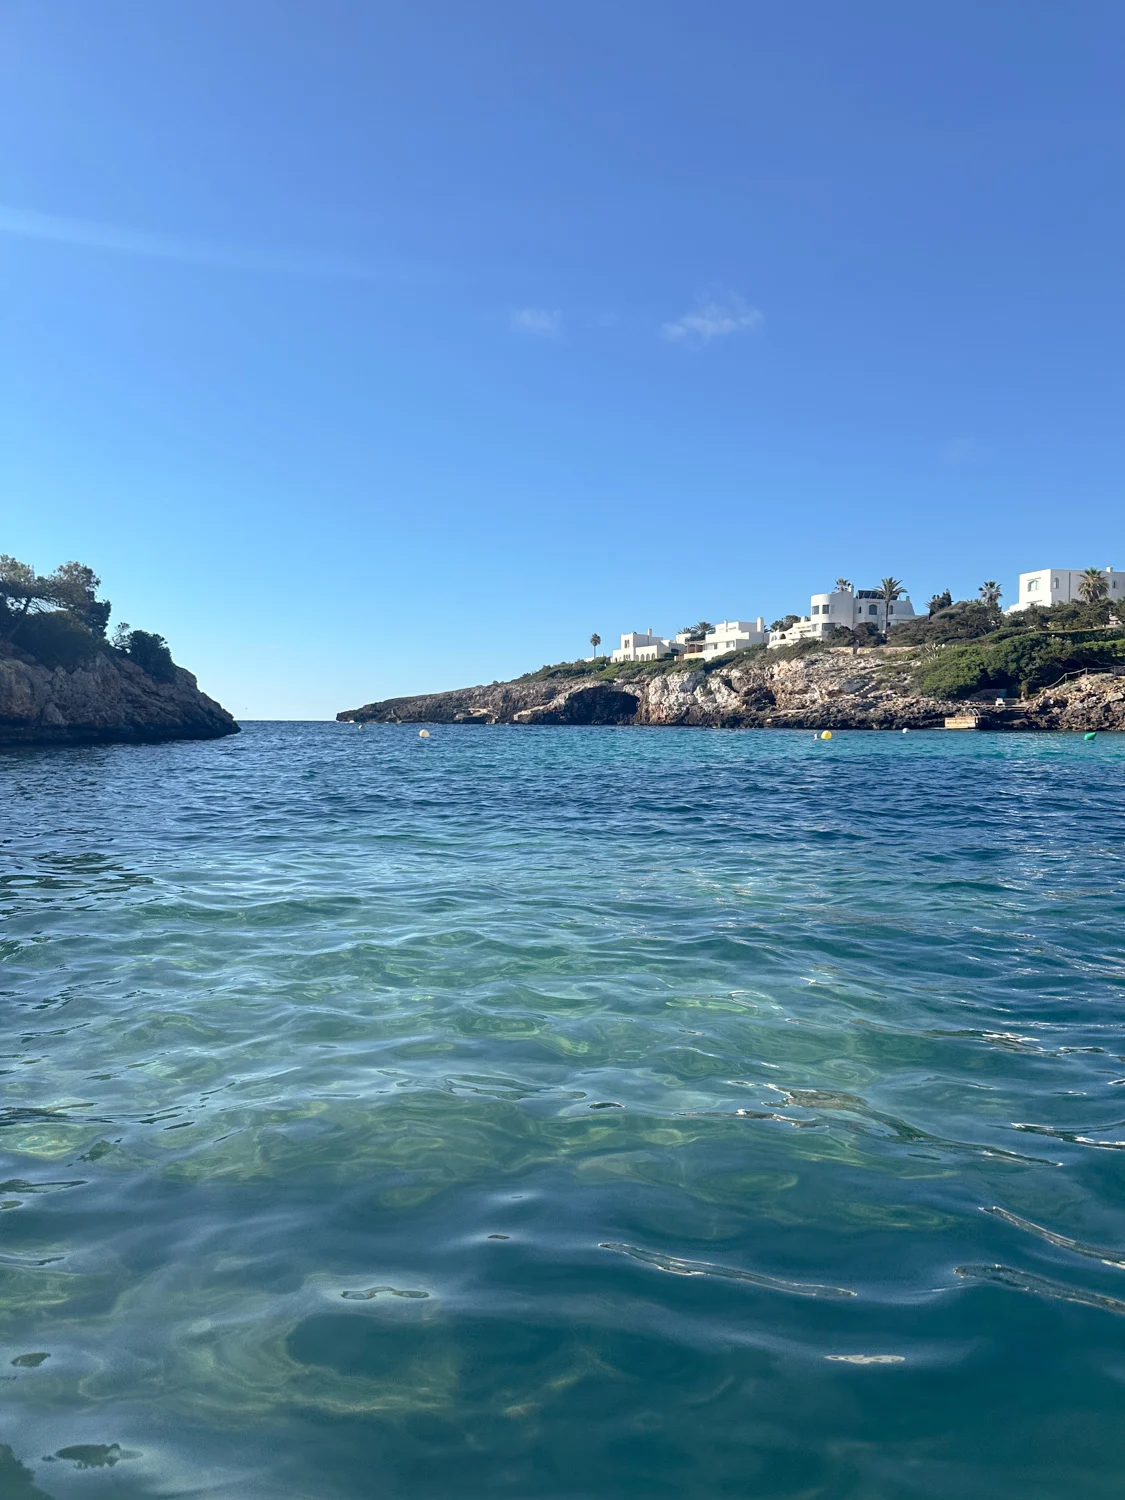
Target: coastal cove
<point x="562" y="752"/>
<point x="577" y="1113"/>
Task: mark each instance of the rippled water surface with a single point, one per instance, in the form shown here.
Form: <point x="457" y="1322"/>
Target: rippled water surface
<point x="577" y="1113"/>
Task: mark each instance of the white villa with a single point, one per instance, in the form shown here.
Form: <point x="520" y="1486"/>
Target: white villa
<point x="1062" y="586"/>
<point x="728" y="635"/>
<point x="844" y="607"/>
<point x="642" y="645"/>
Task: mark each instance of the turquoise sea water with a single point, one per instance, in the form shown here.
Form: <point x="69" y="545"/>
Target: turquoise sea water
<point x="574" y="1113"/>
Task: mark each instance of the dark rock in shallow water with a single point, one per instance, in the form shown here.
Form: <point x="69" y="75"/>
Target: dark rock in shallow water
<point x="106" y="699"/>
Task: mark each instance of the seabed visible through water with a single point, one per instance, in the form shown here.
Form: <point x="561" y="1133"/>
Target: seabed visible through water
<point x="574" y="1113"/>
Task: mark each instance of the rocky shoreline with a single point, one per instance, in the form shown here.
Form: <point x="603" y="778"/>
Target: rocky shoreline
<point x="829" y="689"/>
<point x="107" y="699"/>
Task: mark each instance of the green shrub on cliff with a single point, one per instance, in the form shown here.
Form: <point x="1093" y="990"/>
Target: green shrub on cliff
<point x="150" y="653"/>
<point x="57" y="639"/>
<point x="1027" y="660"/>
<point x="860" y="635"/>
<point x="975" y="619"/>
<point x="615" y="671"/>
<point x="564" y="669"/>
<point x="796" y="650"/>
<point x="966" y="620"/>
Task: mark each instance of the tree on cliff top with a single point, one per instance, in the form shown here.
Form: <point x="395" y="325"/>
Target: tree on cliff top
<point x="697" y="632"/>
<point x="22" y="590"/>
<point x="58" y="620"/>
<point x="72" y="587"/>
<point x="76" y="589"/>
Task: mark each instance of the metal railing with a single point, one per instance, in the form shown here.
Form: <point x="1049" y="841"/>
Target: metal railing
<point x="1083" y="672"/>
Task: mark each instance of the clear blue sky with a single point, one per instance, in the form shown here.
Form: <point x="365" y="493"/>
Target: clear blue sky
<point x="368" y="348"/>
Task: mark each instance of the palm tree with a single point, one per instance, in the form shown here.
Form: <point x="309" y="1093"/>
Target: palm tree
<point x="595" y="641"/>
<point x="990" y="594"/>
<point x="1093" y="587"/>
<point x="890" y="589"/>
<point x="843" y="585"/>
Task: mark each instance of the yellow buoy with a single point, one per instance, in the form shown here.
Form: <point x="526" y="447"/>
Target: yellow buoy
<point x="423" y="734"/>
<point x="826" y="734"/>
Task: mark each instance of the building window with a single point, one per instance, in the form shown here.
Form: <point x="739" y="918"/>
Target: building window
<point x="890" y="609"/>
<point x="872" y="609"/>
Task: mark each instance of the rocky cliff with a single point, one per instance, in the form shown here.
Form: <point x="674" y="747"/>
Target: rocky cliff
<point x="107" y="698"/>
<point x="829" y="689"/>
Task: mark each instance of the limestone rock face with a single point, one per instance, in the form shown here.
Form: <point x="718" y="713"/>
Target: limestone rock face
<point x="106" y="699"/>
<point x="872" y="689"/>
<point x="585" y="703"/>
<point x="1088" y="703"/>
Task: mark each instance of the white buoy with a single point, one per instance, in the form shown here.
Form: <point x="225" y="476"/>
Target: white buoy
<point x="423" y="734"/>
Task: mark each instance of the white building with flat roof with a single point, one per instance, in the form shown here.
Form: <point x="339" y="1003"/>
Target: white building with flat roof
<point x="729" y="635"/>
<point x="642" y="645"/>
<point x="1063" y="586"/>
<point x="846" y="608"/>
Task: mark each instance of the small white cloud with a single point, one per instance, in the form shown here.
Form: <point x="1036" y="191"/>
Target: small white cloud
<point x="545" y="322"/>
<point x="714" y="318"/>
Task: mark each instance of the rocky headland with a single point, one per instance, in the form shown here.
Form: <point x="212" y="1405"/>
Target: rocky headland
<point x="104" y="699"/>
<point x="872" y="688"/>
<point x="63" y="682"/>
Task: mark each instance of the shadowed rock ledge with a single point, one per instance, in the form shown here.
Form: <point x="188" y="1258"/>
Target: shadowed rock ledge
<point x="831" y="689"/>
<point x="106" y="699"/>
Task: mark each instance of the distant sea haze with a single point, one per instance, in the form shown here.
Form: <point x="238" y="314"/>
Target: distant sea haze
<point x="566" y="1113"/>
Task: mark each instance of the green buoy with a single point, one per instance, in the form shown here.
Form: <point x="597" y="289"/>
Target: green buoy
<point x="1091" y="734"/>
